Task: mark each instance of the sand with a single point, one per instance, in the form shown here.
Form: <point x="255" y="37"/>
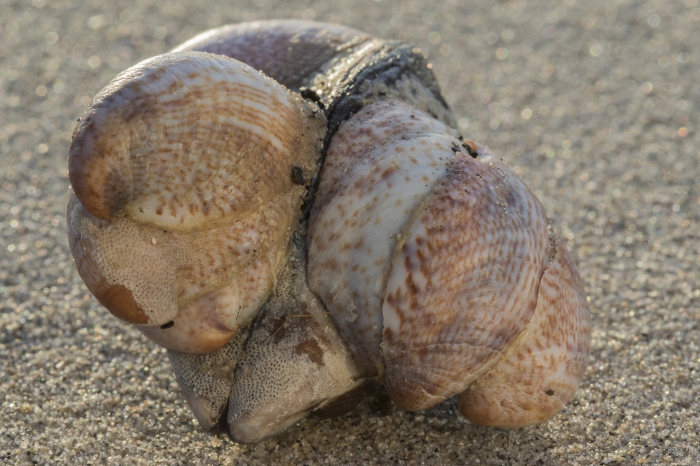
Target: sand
<point x="594" y="103"/>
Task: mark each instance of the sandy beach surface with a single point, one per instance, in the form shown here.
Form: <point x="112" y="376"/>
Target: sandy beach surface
<point x="595" y="103"/>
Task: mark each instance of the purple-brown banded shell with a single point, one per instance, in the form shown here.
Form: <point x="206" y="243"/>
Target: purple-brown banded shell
<point x="416" y="258"/>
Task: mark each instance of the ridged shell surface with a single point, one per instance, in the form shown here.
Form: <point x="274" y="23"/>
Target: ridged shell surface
<point x="464" y="281"/>
<point x="291" y="52"/>
<point x="187" y="140"/>
<point x="424" y="263"/>
<point x="380" y="165"/>
<point x="182" y="170"/>
<point x="429" y="252"/>
<point x="544" y="366"/>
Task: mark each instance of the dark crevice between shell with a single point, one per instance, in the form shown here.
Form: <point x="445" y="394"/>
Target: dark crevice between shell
<point x="345" y="402"/>
<point x="292" y="337"/>
<point x="386" y="65"/>
<point x="367" y="72"/>
<point x="364" y="81"/>
<point x="206" y="379"/>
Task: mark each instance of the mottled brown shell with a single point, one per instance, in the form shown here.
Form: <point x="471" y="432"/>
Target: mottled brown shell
<point x="417" y="259"/>
<point x="184" y="196"/>
<point x="430" y="253"/>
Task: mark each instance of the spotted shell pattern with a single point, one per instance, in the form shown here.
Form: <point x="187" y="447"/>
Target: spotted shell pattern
<point x="290" y="253"/>
<point x="182" y="184"/>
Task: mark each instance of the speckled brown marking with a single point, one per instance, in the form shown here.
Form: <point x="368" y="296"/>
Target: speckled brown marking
<point x="191" y="181"/>
<point x="541" y="370"/>
<point x="279" y="327"/>
<point x="388" y="172"/>
<point x="464" y="283"/>
<point x="368" y="158"/>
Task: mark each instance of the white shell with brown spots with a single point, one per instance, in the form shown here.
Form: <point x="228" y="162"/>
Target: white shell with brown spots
<point x="380" y="165"/>
<point x="435" y="261"/>
<point x="430" y="254"/>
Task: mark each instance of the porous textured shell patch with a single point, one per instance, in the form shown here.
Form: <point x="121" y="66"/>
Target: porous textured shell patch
<point x="416" y="259"/>
<point x="182" y="186"/>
